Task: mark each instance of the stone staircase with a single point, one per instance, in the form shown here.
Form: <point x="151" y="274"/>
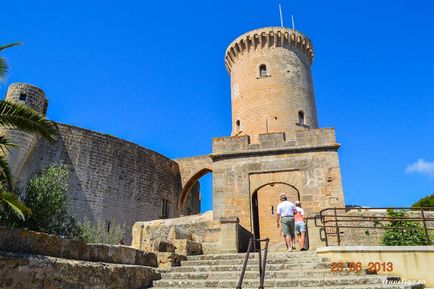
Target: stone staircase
<point x="284" y="270"/>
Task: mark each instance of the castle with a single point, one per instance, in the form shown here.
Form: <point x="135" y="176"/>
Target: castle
<point x="275" y="147"/>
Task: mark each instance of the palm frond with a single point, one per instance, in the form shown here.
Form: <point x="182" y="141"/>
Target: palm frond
<point x="21" y="117"/>
<point x="3" y="69"/>
<point x="15" y="204"/>
<point x="3" y="47"/>
<point x="5" y="144"/>
<point x="3" y="64"/>
<point x="5" y="173"/>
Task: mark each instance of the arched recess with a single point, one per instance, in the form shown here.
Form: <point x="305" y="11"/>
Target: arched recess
<point x="264" y="206"/>
<point x="189" y="185"/>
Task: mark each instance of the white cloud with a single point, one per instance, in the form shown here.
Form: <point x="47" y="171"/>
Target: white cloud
<point x="421" y="167"/>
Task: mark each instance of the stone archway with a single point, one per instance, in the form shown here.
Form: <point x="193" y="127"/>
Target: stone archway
<point x="189" y="185"/>
<point x="264" y="208"/>
<point x="191" y="170"/>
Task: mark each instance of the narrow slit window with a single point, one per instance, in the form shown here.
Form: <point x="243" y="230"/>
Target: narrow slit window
<point x="301" y="117"/>
<point x="164" y="209"/>
<point x="262" y="70"/>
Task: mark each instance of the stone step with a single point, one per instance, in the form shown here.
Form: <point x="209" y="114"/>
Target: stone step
<point x="254" y="274"/>
<point x="250" y="267"/>
<point x="295" y="254"/>
<point x="282" y="260"/>
<point x="285" y="283"/>
<point x="365" y="286"/>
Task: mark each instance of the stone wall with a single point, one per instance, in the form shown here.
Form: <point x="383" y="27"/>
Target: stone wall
<point x="112" y="180"/>
<point x="363" y="236"/>
<point x="202" y="228"/>
<point x="40" y="272"/>
<point x="36" y="243"/>
<point x="37" y="260"/>
<point x="214" y="236"/>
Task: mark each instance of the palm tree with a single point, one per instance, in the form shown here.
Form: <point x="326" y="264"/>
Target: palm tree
<point x="18" y="117"/>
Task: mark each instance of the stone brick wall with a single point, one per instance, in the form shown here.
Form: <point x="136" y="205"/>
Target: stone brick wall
<point x="37" y="260"/>
<point x="360" y="236"/>
<point x="112" y="180"/>
<point x="271" y="101"/>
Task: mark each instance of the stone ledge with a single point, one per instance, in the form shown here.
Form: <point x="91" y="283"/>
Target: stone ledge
<point x="262" y="152"/>
<point x="400" y="249"/>
<point x="36" y="243"/>
<point x="35" y="271"/>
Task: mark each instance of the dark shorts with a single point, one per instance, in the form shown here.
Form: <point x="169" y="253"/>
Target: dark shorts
<point x="288" y="226"/>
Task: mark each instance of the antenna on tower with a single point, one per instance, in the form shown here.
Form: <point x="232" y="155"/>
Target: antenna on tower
<point x="281" y="15"/>
<point x="293" y="25"/>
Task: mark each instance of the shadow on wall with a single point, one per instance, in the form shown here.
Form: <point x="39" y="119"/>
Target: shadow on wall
<point x="112" y="180"/>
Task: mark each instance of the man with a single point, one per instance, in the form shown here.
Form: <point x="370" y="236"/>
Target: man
<point x="285" y="217"/>
<point x="300" y="225"/>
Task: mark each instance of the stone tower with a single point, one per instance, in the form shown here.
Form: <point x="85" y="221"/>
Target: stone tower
<point x="33" y="97"/>
<point x="276" y="146"/>
<point x="271" y="82"/>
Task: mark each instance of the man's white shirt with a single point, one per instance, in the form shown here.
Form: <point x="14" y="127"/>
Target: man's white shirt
<point x="286" y="209"/>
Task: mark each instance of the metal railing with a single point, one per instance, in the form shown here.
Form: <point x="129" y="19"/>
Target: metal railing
<point x="332" y="220"/>
<point x="262" y="263"/>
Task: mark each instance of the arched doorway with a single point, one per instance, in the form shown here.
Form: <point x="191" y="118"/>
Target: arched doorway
<point x="264" y="206"/>
<point x="192" y="181"/>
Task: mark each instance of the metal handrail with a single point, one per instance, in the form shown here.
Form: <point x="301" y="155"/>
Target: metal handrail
<point x="329" y="218"/>
<point x="262" y="263"/>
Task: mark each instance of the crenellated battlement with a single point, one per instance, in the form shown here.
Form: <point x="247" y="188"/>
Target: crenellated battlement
<point x="264" y="38"/>
<point x="299" y="140"/>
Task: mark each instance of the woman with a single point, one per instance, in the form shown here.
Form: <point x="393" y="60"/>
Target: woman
<point x="300" y="225"/>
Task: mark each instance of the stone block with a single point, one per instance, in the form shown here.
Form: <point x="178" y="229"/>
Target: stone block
<point x="176" y="232"/>
<point x="168" y="260"/>
<point x="187" y="247"/>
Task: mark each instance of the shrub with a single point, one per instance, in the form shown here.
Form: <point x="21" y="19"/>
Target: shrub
<point x="428" y="201"/>
<point x="99" y="233"/>
<point x="412" y="235"/>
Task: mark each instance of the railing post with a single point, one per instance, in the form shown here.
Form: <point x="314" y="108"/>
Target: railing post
<point x="243" y="270"/>
<point x="425" y="227"/>
<point x="337" y="228"/>
<point x="262" y="276"/>
<point x="260" y="259"/>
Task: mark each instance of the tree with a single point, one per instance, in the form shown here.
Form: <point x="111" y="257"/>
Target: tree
<point x="45" y="195"/>
<point x="403" y="232"/>
<point x="427" y="201"/>
<point x="23" y="118"/>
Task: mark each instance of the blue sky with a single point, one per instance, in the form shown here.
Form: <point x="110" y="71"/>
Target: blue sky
<point x="152" y="72"/>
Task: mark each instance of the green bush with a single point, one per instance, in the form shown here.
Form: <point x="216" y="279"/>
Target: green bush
<point x="428" y="201"/>
<point x="412" y="233"/>
<point x="99" y="233"/>
<point x="45" y="195"/>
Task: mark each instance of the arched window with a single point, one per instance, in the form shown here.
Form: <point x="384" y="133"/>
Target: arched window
<point x="262" y="70"/>
<point x="301" y="117"/>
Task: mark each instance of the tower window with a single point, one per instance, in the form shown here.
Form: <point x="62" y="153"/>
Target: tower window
<point x="238" y="123"/>
<point x="262" y="70"/>
<point x="164" y="208"/>
<point x="23" y="96"/>
<point x="301" y="117"/>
